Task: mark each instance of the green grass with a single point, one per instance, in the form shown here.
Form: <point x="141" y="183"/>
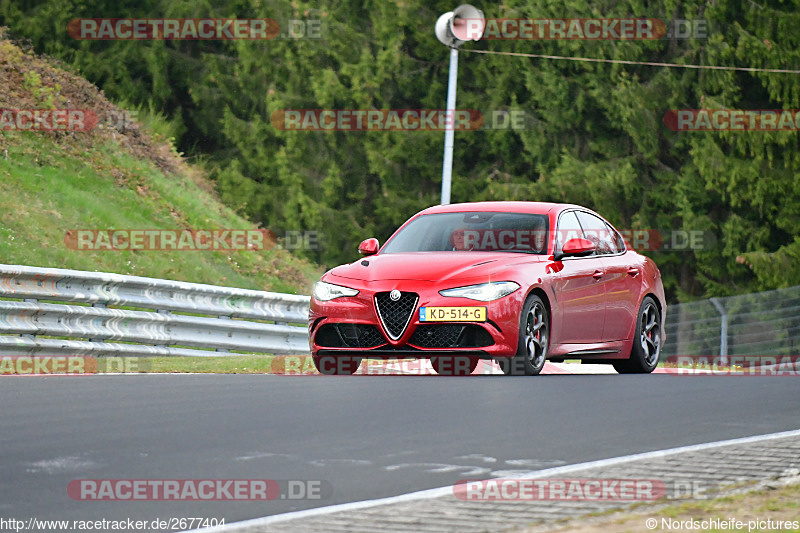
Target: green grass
<point x="48" y="187"/>
<point x="245" y="364"/>
<point x="753" y="503"/>
<point x="762" y="502"/>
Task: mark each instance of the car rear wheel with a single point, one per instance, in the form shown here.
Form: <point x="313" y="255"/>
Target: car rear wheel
<point x="330" y="365"/>
<point x="534" y="340"/>
<point x="647" y="343"/>
<point x="459" y="365"/>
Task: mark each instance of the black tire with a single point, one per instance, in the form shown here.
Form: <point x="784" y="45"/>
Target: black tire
<point x="646" y="342"/>
<point x="458" y="365"/>
<point x="533" y="343"/>
<point x="331" y="365"/>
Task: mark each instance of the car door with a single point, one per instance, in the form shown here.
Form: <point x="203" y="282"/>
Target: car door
<point x="578" y="290"/>
<point x="622" y="279"/>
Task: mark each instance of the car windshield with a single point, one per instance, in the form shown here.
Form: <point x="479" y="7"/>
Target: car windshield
<point x="472" y="231"/>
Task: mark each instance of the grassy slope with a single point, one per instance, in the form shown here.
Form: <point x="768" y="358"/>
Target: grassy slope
<point x="51" y="183"/>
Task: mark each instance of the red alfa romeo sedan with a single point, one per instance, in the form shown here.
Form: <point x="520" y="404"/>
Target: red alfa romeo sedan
<point x="517" y="282"/>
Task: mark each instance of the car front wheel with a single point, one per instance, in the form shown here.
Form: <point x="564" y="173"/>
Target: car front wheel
<point x="534" y="340"/>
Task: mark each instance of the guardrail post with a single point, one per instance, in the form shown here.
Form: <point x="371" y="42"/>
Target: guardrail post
<point x="723" y="333"/>
<point x="32" y="301"/>
<point x="162" y="312"/>
<point x="102" y="306"/>
<point x="223" y="317"/>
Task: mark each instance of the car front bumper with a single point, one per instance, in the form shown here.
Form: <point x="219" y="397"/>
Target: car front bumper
<point x="350" y="325"/>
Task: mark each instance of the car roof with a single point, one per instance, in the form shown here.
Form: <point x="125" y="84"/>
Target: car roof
<point x="540" y="208"/>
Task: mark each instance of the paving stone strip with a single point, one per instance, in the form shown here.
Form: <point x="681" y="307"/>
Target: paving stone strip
<point x="711" y="472"/>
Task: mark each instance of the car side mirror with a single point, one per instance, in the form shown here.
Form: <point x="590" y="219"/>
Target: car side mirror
<point x="575" y="248"/>
<point x="368" y="246"/>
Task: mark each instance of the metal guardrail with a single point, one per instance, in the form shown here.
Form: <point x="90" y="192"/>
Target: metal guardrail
<point x="165" y="320"/>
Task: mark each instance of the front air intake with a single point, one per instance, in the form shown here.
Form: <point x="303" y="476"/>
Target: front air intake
<point x="395" y="315"/>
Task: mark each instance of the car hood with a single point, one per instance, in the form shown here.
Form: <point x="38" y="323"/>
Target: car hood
<point x="432" y="266"/>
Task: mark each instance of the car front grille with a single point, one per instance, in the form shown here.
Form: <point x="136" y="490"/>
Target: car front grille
<point x="450" y="336"/>
<point x="395" y="316"/>
<point x="349" y="336"/>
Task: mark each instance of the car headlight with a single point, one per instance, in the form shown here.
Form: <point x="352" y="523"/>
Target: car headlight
<point x="328" y="291"/>
<point x="485" y="292"/>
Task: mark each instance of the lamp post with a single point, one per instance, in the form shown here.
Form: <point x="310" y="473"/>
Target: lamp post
<point x="464" y="23"/>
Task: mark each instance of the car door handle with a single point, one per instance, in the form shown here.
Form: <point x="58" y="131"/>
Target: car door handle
<point x="633" y="272"/>
<point x="597" y="274"/>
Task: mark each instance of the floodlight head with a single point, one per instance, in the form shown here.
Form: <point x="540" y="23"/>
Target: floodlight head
<point x="464" y="23"/>
<point x="467" y="23"/>
<point x="443" y="32"/>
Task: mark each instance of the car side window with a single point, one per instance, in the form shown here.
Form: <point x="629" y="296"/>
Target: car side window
<point x="597" y="231"/>
<point x="568" y="228"/>
<point x="618" y="241"/>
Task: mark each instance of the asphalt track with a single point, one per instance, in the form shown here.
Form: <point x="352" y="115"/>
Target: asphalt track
<point x="368" y="436"/>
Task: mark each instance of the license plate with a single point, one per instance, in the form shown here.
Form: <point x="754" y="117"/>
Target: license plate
<point x="452" y="314"/>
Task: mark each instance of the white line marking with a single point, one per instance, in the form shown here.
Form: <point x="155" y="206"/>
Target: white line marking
<point x="448" y="490"/>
